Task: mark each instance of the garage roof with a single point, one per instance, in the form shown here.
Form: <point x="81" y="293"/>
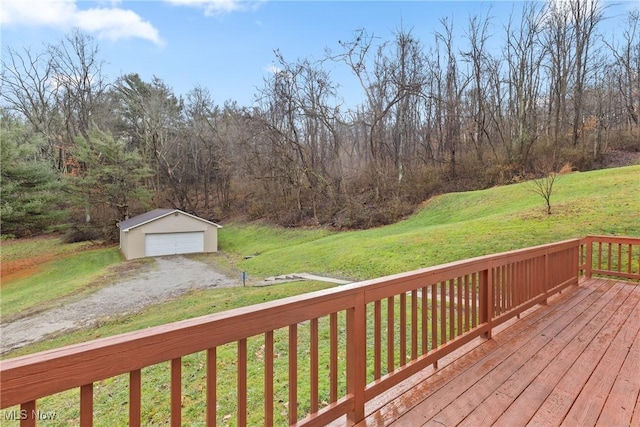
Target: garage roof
<point x="153" y="215"/>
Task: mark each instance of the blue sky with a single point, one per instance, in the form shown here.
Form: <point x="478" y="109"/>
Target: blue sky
<point x="227" y="45"/>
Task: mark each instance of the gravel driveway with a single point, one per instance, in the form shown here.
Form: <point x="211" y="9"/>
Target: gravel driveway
<point x="173" y="276"/>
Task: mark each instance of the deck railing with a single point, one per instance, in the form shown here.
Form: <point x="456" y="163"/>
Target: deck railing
<point x="319" y="356"/>
<point x="611" y="256"/>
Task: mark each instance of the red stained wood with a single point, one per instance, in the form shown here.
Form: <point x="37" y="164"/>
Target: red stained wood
<point x="268" y="379"/>
<point x="525" y="391"/>
<point x="135" y="397"/>
<point x="414" y="324"/>
<point x="377" y="340"/>
<point x="176" y="392"/>
<point x="390" y="333"/>
<point x="313" y="369"/>
<point x="242" y="382"/>
<point x="86" y="405"/>
<point x="29" y="409"/>
<point x="581" y="334"/>
<point x="212" y="381"/>
<point x="333" y="357"/>
<point x="476" y="295"/>
<point x="293" y="374"/>
<point x="625" y="392"/>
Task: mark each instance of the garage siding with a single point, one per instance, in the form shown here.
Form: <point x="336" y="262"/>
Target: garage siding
<point x="133" y="241"/>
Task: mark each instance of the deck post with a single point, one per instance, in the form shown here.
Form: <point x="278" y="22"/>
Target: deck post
<point x="356" y="358"/>
<point x="486" y="299"/>
<point x="547" y="277"/>
<point x="589" y="242"/>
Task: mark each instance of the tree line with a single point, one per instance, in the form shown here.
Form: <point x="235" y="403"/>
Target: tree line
<point x="501" y="102"/>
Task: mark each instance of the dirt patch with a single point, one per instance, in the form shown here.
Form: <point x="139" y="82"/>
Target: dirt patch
<point x="20" y="268"/>
<point x="161" y="279"/>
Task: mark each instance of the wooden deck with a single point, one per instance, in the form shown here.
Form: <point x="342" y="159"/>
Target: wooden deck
<point x="574" y="362"/>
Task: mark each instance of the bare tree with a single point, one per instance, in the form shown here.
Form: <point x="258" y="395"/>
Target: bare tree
<point x="26" y="88"/>
<point x="585" y="16"/>
<point x="543" y="186"/>
<point x="558" y="37"/>
<point x="77" y="74"/>
<point x="627" y="65"/>
<point x="477" y="56"/>
<point x="524" y="55"/>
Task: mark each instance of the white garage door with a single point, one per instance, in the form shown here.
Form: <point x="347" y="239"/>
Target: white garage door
<point x="173" y="243"/>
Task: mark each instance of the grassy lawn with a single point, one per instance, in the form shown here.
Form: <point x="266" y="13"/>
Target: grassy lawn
<point x="447" y="228"/>
<point x="64" y="276"/>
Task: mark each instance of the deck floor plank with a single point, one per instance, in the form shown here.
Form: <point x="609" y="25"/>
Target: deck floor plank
<point x="573" y="365"/>
<point x="415" y="389"/>
<point x="588" y="406"/>
<point x="534" y="325"/>
<point x="618" y="408"/>
<point x="540" y="350"/>
<point x="575" y="360"/>
<point x="566" y="392"/>
<point x="541" y="372"/>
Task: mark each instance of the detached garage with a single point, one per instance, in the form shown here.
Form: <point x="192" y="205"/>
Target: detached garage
<point x="167" y="232"/>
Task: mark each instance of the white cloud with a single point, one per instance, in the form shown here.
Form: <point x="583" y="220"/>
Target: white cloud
<point x="217" y="7"/>
<point x="106" y="22"/>
<point x="115" y="24"/>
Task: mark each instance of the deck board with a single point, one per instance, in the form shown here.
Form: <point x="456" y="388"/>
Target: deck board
<point x="575" y="361"/>
<point x="527" y="388"/>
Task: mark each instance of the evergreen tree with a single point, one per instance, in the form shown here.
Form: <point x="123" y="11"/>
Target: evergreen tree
<point x="30" y="191"/>
<point x="106" y="181"/>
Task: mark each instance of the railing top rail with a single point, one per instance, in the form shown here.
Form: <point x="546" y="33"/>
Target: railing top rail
<point x="625" y="240"/>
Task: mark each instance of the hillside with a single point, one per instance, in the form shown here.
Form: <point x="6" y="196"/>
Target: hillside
<point x="448" y="227"/>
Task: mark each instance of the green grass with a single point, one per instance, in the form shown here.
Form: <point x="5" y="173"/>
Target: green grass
<point x="450" y="227"/>
<point x="30" y="248"/>
<point x="60" y="278"/>
<point x="447" y="228"/>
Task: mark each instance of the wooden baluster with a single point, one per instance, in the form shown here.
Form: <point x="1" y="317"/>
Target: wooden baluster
<point x="403" y="329"/>
<point x="28" y="409"/>
<point x="86" y="405"/>
<point x="390" y="334"/>
<point x="443" y="312"/>
<point x="333" y="357"/>
<point x="459" y="306"/>
<point x="467" y="304"/>
<point x="414" y="324"/>
<point x="474" y="299"/>
<point x="212" y="383"/>
<point x="135" y="397"/>
<point x="268" y="378"/>
<point x="242" y="382"/>
<point x="313" y="369"/>
<point x="434" y="319"/>
<point x="619" y="257"/>
<point x="425" y="321"/>
<point x="451" y="298"/>
<point x="377" y="340"/>
<point x="599" y="255"/>
<point x="176" y="392"/>
<point x="293" y="374"/>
